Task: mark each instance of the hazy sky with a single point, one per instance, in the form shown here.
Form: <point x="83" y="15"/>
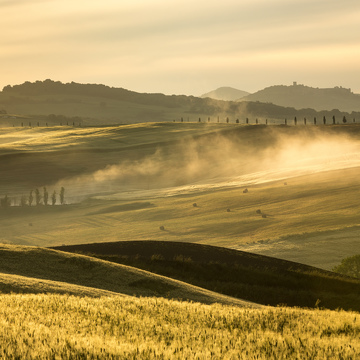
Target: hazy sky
<point x="181" y="47"/>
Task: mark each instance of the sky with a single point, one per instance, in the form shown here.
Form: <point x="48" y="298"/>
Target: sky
<point x="181" y="47"/>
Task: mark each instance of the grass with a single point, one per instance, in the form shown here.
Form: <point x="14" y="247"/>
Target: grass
<point x="62" y="326"/>
<point x="27" y="269"/>
<point x="243" y="275"/>
<point x="118" y="181"/>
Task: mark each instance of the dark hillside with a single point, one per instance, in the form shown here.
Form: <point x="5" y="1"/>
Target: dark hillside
<point x="252" y="277"/>
<point x="57" y="103"/>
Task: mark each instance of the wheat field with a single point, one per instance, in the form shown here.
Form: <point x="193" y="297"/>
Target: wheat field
<point x="63" y="326"/>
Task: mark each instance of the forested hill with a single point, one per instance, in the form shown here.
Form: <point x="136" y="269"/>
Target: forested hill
<point x="54" y="102"/>
<point x="301" y="96"/>
<point x="53" y="88"/>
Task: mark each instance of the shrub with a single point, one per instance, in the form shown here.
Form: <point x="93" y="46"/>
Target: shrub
<point x="349" y="266"/>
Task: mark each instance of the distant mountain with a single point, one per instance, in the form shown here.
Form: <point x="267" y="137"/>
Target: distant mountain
<point x="305" y="97"/>
<point x="226" y="93"/>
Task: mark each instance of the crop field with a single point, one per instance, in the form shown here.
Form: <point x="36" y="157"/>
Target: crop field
<point x="174" y="203"/>
<point x="127" y="182"/>
<point x="63" y="326"/>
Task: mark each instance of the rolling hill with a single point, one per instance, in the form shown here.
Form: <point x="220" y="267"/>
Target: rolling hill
<point x="50" y="103"/>
<point x="130" y="182"/>
<point x="225" y="93"/>
<point x="304" y="97"/>
<point x="252" y="277"/>
<point x="25" y="269"/>
<point x="174" y="270"/>
<point x="191" y="195"/>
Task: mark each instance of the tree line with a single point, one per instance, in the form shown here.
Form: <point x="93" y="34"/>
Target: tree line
<point x="36" y="198"/>
<point x="324" y="120"/>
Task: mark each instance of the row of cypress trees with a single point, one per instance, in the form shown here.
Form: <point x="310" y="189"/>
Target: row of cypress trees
<point x="36" y="198"/>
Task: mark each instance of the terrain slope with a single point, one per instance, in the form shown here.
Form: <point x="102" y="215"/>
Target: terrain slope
<point x="302" y="97"/>
<point x="226" y="93"/>
<point x="50" y="103"/>
<point x="37" y="270"/>
<point x="244" y="275"/>
<point x="289" y="192"/>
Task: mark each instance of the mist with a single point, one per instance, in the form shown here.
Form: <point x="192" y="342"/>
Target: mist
<point x="218" y="161"/>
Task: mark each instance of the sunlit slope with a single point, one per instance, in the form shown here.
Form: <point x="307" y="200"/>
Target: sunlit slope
<point x="316" y="204"/>
<point x="50" y="271"/>
<point x="17" y="284"/>
<point x="44" y="156"/>
<point x="124" y="183"/>
<point x="71" y="327"/>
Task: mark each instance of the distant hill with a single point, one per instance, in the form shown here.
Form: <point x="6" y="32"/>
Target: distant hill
<point x="301" y="97"/>
<point x="71" y="102"/>
<point x="226" y="93"/>
<point x="55" y="103"/>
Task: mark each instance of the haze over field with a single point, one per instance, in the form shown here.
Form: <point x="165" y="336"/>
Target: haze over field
<point x="220" y="161"/>
<point x="182" y="47"/>
<point x="125" y="182"/>
<point x="136" y="223"/>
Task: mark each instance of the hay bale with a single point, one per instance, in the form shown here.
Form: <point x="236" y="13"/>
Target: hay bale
<point x="258" y="211"/>
<point x="245" y="191"/>
<point x="228" y="210"/>
<point x="162" y="228"/>
<point x="194" y="204"/>
<point x="263" y="216"/>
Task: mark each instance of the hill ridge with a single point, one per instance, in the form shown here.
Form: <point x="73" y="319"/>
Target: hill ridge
<point x="49" y="270"/>
<point x="256" y="278"/>
<point x="226" y="93"/>
<point x="302" y="96"/>
<point x="54" y="103"/>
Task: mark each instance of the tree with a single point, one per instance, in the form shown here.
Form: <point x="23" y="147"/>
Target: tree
<point x="5" y="202"/>
<point x="62" y="194"/>
<point x="46" y="196"/>
<point x="31" y="198"/>
<point x="37" y="197"/>
<point x="53" y="198"/>
<point x="349" y="266"/>
<point x="23" y="201"/>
